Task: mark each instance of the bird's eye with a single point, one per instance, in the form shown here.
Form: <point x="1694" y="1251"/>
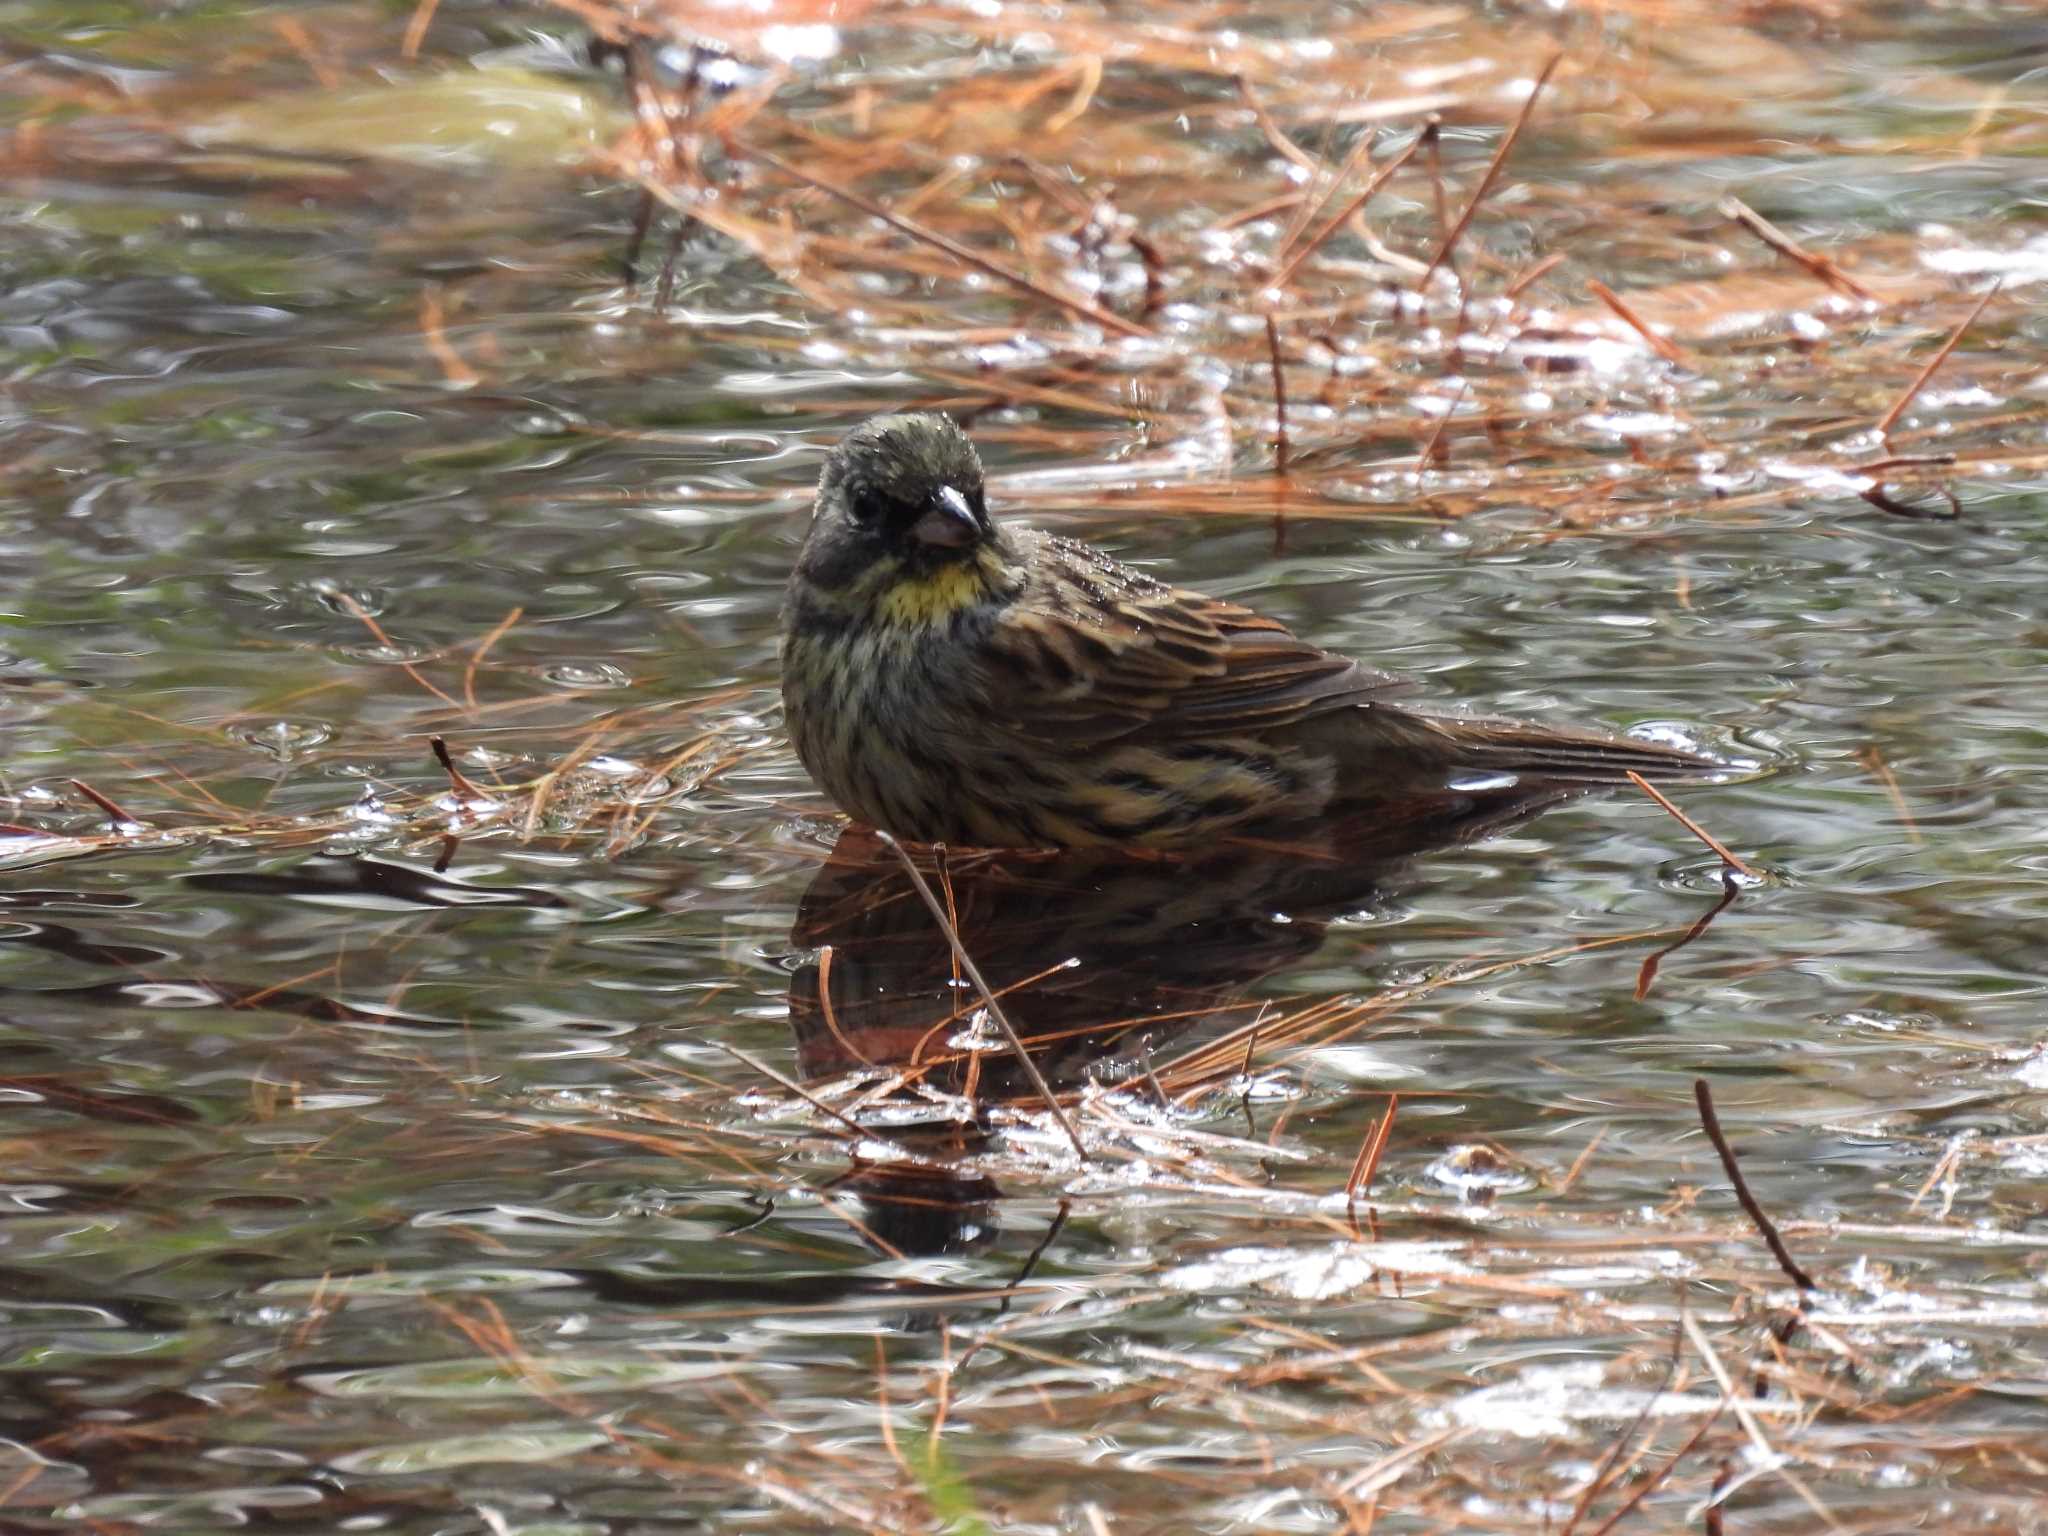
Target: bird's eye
<point x="866" y="507"/>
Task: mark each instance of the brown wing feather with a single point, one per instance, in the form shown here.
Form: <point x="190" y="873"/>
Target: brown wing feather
<point x="1092" y="651"/>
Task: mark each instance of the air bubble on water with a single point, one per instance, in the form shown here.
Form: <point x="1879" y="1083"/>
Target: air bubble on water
<point x="282" y="739"/>
<point x="369" y="808"/>
<point x="980" y="1034"/>
<point x="381" y="654"/>
<point x="352" y="602"/>
<point x="586" y="674"/>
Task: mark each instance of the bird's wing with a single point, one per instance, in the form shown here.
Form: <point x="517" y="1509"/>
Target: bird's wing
<point x="1093" y="651"/>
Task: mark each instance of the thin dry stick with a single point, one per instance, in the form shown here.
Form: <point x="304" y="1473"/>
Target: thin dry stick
<point x="1820" y="266"/>
<point x="1500" y="158"/>
<point x="1515" y="289"/>
<point x="1612" y="1461"/>
<point x="988" y="997"/>
<point x="1663" y="346"/>
<point x="1698" y="831"/>
<point x="1308" y="207"/>
<point x="1880" y="770"/>
<point x="121" y="819"/>
<point x="1890" y="417"/>
<point x="416" y="28"/>
<point x="1711" y="1123"/>
<point x="476" y="657"/>
<point x="951" y="247"/>
<point x="1646" y="976"/>
<point x="1749" y="1423"/>
<point x="1371" y="188"/>
<point x="1656" y="1479"/>
<point x="1579" y="1163"/>
<point x="1280" y="446"/>
<point x="1367" y="1163"/>
<point x="457" y="780"/>
<point x="433" y="330"/>
<point x="1436" y="433"/>
<point x="790" y="1084"/>
<point x="1288" y="149"/>
<point x="368" y="620"/>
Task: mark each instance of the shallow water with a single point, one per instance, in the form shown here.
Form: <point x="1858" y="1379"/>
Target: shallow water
<point x="349" y="1191"/>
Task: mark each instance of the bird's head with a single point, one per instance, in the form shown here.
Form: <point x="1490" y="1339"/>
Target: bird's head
<point x="900" y="510"/>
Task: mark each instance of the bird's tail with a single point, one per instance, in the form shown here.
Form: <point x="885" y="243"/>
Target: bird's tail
<point x="1476" y="747"/>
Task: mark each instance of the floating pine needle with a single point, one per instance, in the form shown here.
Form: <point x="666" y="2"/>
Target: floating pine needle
<point x="973" y="258"/>
<point x="1711" y="1123"/>
<point x="368" y="620"/>
<point x="791" y="1085"/>
<point x="122" y="821"/>
<point x="1371" y="189"/>
<point x="1500" y="157"/>
<point x="416" y="29"/>
<point x="1280" y="446"/>
<point x="1611" y="1463"/>
<point x="1432" y="450"/>
<point x="483" y="648"/>
<point x="1879" y="769"/>
<point x="1367" y="1163"/>
<point x="1720" y="848"/>
<point x="988" y="997"/>
<point x="1891" y="417"/>
<point x="434" y="332"/>
<point x="1647" y="976"/>
<point x="1884" y="501"/>
<point x="460" y="781"/>
<point x="1663" y="346"/>
<point x="1820" y="266"/>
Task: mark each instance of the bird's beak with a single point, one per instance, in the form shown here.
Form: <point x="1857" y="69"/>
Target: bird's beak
<point x="948" y="521"/>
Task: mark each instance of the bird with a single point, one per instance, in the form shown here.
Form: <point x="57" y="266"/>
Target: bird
<point x="951" y="678"/>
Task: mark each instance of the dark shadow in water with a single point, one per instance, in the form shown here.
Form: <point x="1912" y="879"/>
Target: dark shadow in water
<point x="1099" y="960"/>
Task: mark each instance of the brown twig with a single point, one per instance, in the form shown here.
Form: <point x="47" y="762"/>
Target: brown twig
<point x="483" y="646"/>
<point x="368" y="620"/>
<point x="1655" y="1480"/>
<point x="1890" y="418"/>
<point x="790" y="1085"/>
<point x="1280" y="444"/>
<point x="1873" y="760"/>
<point x="434" y="332"/>
<point x="1884" y="501"/>
<point x="1520" y="285"/>
<point x="1711" y="1123"/>
<point x="1428" y="456"/>
<point x="1820" y="266"/>
<point x="1500" y="157"/>
<point x="1337" y="222"/>
<point x="1367" y="1163"/>
<point x="416" y="28"/>
<point x="973" y="258"/>
<point x="1663" y="346"/>
<point x="1720" y="848"/>
<point x="1647" y="975"/>
<point x="988" y="997"/>
<point x="121" y="819"/>
<point x="456" y="778"/>
<point x="1598" y="1481"/>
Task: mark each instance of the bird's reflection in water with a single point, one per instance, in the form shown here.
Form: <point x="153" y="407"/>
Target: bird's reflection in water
<point x="1099" y="960"/>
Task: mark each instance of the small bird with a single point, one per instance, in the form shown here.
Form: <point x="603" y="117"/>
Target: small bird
<point x="948" y="678"/>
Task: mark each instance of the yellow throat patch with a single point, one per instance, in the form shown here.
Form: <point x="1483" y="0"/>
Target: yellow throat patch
<point x="933" y="599"/>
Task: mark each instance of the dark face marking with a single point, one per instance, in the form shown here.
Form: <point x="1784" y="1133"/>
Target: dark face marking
<point x="906" y="487"/>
